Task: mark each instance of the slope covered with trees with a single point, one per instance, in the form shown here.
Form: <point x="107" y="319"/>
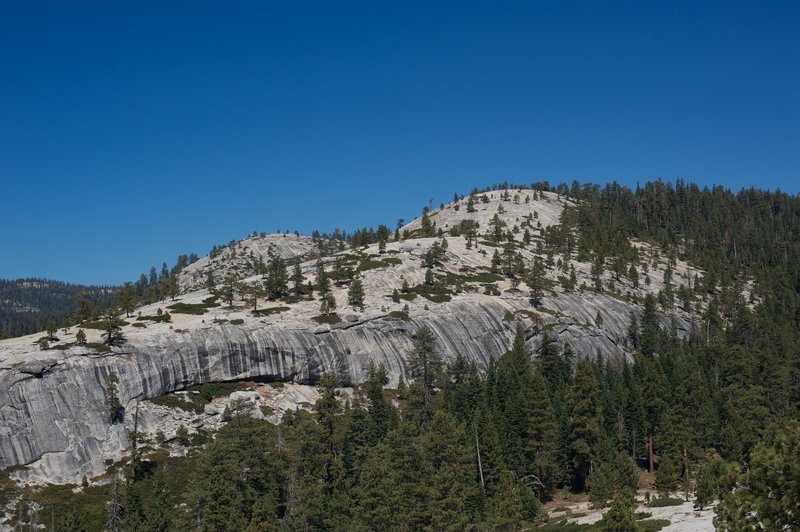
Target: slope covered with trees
<point x="29" y="305"/>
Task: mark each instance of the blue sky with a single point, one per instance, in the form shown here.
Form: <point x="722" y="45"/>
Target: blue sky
<point x="133" y="132"/>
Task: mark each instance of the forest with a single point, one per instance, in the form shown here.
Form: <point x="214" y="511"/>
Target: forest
<point x="28" y="305"/>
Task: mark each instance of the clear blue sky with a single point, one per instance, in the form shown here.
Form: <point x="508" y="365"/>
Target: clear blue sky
<point x="131" y="132"/>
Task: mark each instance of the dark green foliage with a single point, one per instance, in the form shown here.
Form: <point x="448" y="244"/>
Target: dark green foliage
<point x="766" y="496"/>
<point x="586" y="418"/>
<point x="621" y="517"/>
<point x="424" y="365"/>
<point x="660" y="502"/>
<point x="330" y="319"/>
<point x="276" y="280"/>
<point x="196" y="309"/>
<point x="400" y="314"/>
<point x="54" y="301"/>
<point x="715" y="478"/>
<point x="116" y="412"/>
<point x="355" y="294"/>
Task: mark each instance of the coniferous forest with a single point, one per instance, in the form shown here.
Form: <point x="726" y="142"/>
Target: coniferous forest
<point x="715" y="415"/>
<point x="29" y="305"/>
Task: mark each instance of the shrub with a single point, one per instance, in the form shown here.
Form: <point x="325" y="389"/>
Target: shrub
<point x="330" y="319"/>
<point x="400" y="314"/>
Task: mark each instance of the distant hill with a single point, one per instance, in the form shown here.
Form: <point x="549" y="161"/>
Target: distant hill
<point x="26" y="305"/>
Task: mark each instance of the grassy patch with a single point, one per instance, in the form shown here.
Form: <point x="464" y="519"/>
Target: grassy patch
<point x="270" y="311"/>
<point x="196" y="309"/>
<point x="665" y="501"/>
<point x="329" y="319"/>
<point x="406" y="297"/>
<point x="436" y="294"/>
<point x="64" y="346"/>
<point x="157" y="319"/>
<point x="399" y="314"/>
<point x="481" y="277"/>
<point x="653" y="525"/>
<point x="295" y="299"/>
<point x="370" y="264"/>
<point x="99" y="325"/>
<point x="98" y="346"/>
<point x="237" y="321"/>
<point x="139" y="325"/>
<point x="437" y="298"/>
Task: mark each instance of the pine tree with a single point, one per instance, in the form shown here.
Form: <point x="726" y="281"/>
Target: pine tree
<point x="323" y="283"/>
<point x="765" y="497"/>
<point x="541" y="433"/>
<point x="451" y="484"/>
<point x="621" y="517"/>
<point x="228" y="289"/>
<point x="506" y="508"/>
<point x="276" y="281"/>
<point x="112" y="325"/>
<point x="587" y="419"/>
<point x="126" y="298"/>
<point x="51" y="330"/>
<point x="424" y="365"/>
<point x="116" y="411"/>
<point x="535" y="280"/>
<point x="355" y="294"/>
<point x="73" y="522"/>
<point x="297" y="279"/>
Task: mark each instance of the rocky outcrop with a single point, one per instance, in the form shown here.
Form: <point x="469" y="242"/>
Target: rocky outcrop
<point x="239" y="258"/>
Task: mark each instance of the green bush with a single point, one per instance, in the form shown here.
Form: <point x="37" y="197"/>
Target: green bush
<point x="665" y="501"/>
<point x="163" y="318"/>
<point x="399" y="314"/>
<point x="270" y="311"/>
<point x="100" y="347"/>
<point x="99" y="325"/>
<point x="653" y="525"/>
<point x="437" y="298"/>
<point x="330" y="319"/>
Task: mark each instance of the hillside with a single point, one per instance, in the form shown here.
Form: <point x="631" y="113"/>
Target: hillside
<point x="499" y="267"/>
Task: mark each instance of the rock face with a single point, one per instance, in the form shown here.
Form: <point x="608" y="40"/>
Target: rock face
<point x="53" y="407"/>
<point x="53" y="414"/>
<point x="239" y="257"/>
